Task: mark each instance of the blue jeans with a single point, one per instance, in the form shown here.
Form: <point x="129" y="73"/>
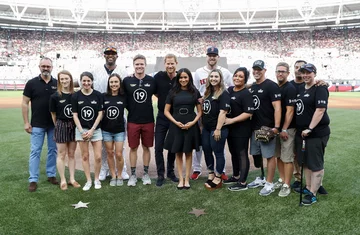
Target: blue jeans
<point x="36" y="142"/>
<point x="209" y="146"/>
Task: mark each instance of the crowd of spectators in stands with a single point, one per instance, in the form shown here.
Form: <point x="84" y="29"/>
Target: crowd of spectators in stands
<point x="329" y="49"/>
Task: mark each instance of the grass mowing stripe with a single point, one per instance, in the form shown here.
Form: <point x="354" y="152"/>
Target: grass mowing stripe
<point x="152" y="210"/>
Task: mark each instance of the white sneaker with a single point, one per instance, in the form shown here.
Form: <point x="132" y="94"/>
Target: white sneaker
<point x="113" y="182"/>
<point x="146" y="179"/>
<point x="103" y="174"/>
<point x="257" y="183"/>
<point x="132" y="180"/>
<point x="278" y="184"/>
<point x="267" y="189"/>
<point x="125" y="175"/>
<point x="87" y="186"/>
<point x="284" y="191"/>
<point x="119" y="182"/>
<point x="97" y="184"/>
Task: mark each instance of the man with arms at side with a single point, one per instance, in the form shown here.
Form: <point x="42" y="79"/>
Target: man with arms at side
<point x="285" y="141"/>
<point x="200" y="78"/>
<point x="37" y="92"/>
<point x="164" y="82"/>
<point x="139" y="90"/>
<point x="267" y="112"/>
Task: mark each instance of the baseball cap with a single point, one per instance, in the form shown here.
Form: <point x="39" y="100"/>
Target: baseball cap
<point x="259" y="64"/>
<point x="212" y="50"/>
<point x="110" y="49"/>
<point x="308" y="67"/>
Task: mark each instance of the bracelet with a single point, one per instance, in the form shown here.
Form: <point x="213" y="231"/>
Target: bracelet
<point x="310" y="129"/>
<point x="284" y="130"/>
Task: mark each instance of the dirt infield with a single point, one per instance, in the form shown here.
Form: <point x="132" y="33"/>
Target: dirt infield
<point x="337" y="102"/>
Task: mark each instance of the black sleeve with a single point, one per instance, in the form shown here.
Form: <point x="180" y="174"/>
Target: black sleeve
<point x="224" y="99"/>
<point x="27" y="89"/>
<point x="248" y="104"/>
<point x="53" y="103"/>
<point x="321" y="97"/>
<point x="275" y="93"/>
<point x="168" y="98"/>
<point x="74" y="103"/>
<point x="290" y="96"/>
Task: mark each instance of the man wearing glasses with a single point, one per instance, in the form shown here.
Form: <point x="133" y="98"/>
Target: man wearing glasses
<point x="285" y="141"/>
<point x="139" y="90"/>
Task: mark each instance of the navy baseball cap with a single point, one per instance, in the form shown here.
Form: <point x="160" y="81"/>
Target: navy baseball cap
<point x="212" y="50"/>
<point x="110" y="49"/>
<point x="259" y="64"/>
<point x="308" y="67"/>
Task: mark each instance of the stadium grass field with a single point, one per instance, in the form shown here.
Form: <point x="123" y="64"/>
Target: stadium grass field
<point x="152" y="210"/>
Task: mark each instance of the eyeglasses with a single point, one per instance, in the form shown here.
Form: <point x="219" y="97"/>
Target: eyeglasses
<point x="281" y="71"/>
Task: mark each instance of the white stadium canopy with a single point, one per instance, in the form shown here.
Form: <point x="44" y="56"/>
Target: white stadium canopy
<point x="178" y="15"/>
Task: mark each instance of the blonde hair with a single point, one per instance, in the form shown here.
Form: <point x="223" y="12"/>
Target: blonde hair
<point x="59" y="86"/>
<point x="210" y="89"/>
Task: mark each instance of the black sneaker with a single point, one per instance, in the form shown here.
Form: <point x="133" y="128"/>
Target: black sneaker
<point x="160" y="181"/>
<point x="231" y="180"/>
<point x="173" y="178"/>
<point x="309" y="199"/>
<point x="295" y="185"/>
<point x="238" y="187"/>
<point x="305" y="191"/>
<point x="322" y="191"/>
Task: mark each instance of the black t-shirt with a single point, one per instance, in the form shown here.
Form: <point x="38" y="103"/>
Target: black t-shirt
<point x="61" y="105"/>
<point x="288" y="98"/>
<point x="296" y="85"/>
<point x="211" y="108"/>
<point x="306" y="104"/>
<point x="113" y="119"/>
<point x="263" y="95"/>
<point x="39" y="93"/>
<point x="240" y="102"/>
<point x="87" y="107"/>
<point x="163" y="85"/>
<point x="139" y="99"/>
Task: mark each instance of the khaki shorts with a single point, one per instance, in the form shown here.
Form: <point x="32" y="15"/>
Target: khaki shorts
<point x="285" y="149"/>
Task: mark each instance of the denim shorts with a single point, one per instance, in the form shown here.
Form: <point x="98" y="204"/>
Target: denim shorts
<point x="113" y="137"/>
<point x="96" y="136"/>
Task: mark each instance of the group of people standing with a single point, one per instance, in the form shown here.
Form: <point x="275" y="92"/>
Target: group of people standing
<point x="195" y="115"/>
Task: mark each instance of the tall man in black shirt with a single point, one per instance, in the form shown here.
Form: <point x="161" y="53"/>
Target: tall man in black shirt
<point x="164" y="82"/>
<point x="267" y="112"/>
<point x="37" y="92"/>
<point x="139" y="90"/>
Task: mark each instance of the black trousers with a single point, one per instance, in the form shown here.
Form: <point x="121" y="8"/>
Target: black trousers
<point x="161" y="129"/>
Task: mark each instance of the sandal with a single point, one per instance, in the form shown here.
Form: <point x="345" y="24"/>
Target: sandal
<point x="210" y="180"/>
<point x="63" y="186"/>
<point x="212" y="186"/>
<point x="74" y="184"/>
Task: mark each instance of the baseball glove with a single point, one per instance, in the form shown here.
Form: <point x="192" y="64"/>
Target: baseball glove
<point x="264" y="134"/>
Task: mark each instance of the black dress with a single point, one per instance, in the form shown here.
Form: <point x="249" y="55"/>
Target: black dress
<point x="179" y="140"/>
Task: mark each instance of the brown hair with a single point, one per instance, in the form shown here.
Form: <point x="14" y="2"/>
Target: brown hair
<point x="59" y="86"/>
<point x="209" y="88"/>
<point x="169" y="56"/>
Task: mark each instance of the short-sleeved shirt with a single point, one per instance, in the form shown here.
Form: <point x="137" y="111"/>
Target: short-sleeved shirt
<point x="240" y="102"/>
<point x="113" y="119"/>
<point x="201" y="75"/>
<point x="263" y="95"/>
<point x="308" y="100"/>
<point x="288" y="98"/>
<point x="61" y="105"/>
<point x="296" y="85"/>
<point x="139" y="94"/>
<point x="211" y="108"/>
<point x="163" y="85"/>
<point x="39" y="93"/>
<point x="87" y="107"/>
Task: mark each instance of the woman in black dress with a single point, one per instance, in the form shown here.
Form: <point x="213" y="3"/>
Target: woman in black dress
<point x="184" y="132"/>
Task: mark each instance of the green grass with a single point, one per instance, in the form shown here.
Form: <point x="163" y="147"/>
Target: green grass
<point x="7" y="94"/>
<point x="345" y="94"/>
<point x="152" y="210"/>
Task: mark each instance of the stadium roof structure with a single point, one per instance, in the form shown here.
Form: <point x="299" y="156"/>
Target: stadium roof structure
<point x="178" y="15"/>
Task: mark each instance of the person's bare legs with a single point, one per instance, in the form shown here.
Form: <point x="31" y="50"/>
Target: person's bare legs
<point x="280" y="166"/>
<point x="109" y="145"/>
<point x="288" y="171"/>
<point x="146" y="155"/>
<point x="97" y="145"/>
<point x="60" y="161"/>
<point x="307" y="177"/>
<point x="119" y="158"/>
<point x="316" y="179"/>
<point x="271" y="167"/>
<point x="133" y="156"/>
<point x="179" y="165"/>
<point x="71" y="147"/>
<point x="84" y="148"/>
<point x="188" y="164"/>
